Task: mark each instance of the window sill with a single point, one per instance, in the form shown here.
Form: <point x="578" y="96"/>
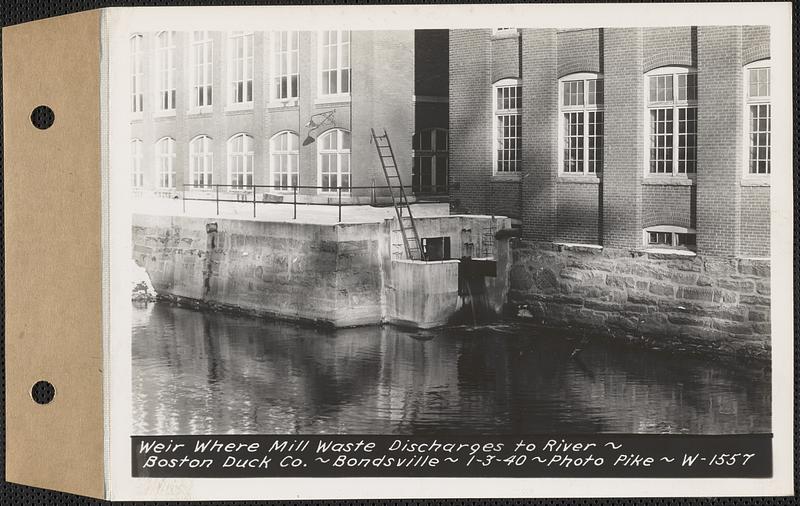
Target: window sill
<point x="582" y="179"/>
<point x="499" y="177"/>
<point x="137" y="116"/>
<point x="578" y="247"/>
<point x="668" y="253"/>
<point x="288" y="104"/>
<point x="756" y="181"/>
<point x="332" y="99"/>
<point x="667" y="181"/>
<point x="200" y="111"/>
<point x="164" y="114"/>
<point x="245" y="107"/>
<point x="506" y="34"/>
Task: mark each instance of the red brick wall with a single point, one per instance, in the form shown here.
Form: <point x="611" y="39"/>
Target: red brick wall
<point x="578" y="51"/>
<point x="577" y="214"/>
<point x="719" y="138"/>
<point x="378" y="58"/>
<point x="668" y="205"/>
<point x="505" y="58"/>
<point x="755" y="226"/>
<point x="671" y="45"/>
<point x="506" y="199"/>
<point x="470" y="119"/>
<point x="539" y="133"/>
<point x="755" y="43"/>
<point x="624" y="151"/>
<point x="727" y="221"/>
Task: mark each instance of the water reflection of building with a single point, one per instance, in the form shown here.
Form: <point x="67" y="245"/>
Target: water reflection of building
<point x="197" y="372"/>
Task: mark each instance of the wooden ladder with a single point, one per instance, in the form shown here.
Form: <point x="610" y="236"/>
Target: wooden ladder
<point x="408" y="228"/>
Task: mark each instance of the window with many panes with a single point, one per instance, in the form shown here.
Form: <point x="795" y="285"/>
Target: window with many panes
<point x="240" y="161"/>
<point x="165" y="161"/>
<point x="136" y="163"/>
<point x="241" y="68"/>
<point x="202" y="69"/>
<point x="284" y="154"/>
<point x="201" y="161"/>
<point x="671" y="96"/>
<point x="758" y="117"/>
<point x="507" y="125"/>
<point x="429" y="174"/>
<point x="165" y="57"/>
<point x="285" y="62"/>
<point x="334" y="62"/>
<point x="581" y="105"/>
<point x="137" y="74"/>
<point x="334" y="160"/>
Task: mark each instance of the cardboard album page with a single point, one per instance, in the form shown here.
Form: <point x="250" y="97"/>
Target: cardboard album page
<point x="401" y="252"/>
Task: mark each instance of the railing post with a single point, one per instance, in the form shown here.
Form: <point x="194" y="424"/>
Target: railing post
<point x="183" y="197"/>
<point x="217" y="199"/>
<point x="254" y="201"/>
<point x="294" y="204"/>
<point x="340" y="204"/>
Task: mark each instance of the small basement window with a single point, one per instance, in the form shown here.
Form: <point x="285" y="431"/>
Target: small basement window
<point x="668" y="236"/>
<point x="436" y="248"/>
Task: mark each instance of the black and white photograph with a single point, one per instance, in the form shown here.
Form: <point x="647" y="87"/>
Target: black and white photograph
<point x="461" y="231"/>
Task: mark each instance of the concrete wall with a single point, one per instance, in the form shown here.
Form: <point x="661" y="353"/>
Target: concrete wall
<point x="343" y="275"/>
<point x="697" y="304"/>
<point x="424" y="294"/>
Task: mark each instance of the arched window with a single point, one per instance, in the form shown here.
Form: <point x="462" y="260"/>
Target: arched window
<point x="758" y="117"/>
<point x="201" y="161"/>
<point x="334" y="159"/>
<point x="165" y="161"/>
<point x="507" y="129"/>
<point x="166" y="70"/>
<point x="137" y="74"/>
<point x="671" y="98"/>
<point x="240" y="161"/>
<point x="136" y="163"/>
<point x="581" y="124"/>
<point x="430" y="161"/>
<point x="670" y="236"/>
<point x="283" y="150"/>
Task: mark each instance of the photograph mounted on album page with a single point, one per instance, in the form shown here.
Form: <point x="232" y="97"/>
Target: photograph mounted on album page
<point x="504" y="248"/>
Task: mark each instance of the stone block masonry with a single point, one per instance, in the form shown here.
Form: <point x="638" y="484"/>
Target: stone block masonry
<point x="674" y="301"/>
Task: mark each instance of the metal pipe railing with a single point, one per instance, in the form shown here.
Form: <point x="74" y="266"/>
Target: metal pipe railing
<point x="245" y="189"/>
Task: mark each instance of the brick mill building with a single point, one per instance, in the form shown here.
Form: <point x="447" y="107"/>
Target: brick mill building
<point x="286" y="108"/>
<point x="636" y="162"/>
<point x="621" y="137"/>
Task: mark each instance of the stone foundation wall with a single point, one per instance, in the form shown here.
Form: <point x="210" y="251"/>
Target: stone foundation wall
<point x="671" y="301"/>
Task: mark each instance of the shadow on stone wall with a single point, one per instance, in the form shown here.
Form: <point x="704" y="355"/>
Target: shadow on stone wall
<point x="670" y="301"/>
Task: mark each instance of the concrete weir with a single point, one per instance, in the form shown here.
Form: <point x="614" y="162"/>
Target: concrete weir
<point x="342" y="274"/>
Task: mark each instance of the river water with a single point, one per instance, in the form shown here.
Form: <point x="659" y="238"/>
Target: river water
<point x="200" y="372"/>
